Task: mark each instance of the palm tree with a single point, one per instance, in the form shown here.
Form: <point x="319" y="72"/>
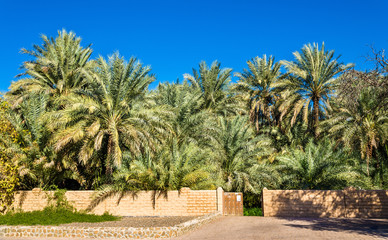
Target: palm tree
<point x="363" y="127"/>
<point x="59" y="66"/>
<point x="213" y="84"/>
<point x="238" y="155"/>
<point x="112" y="114"/>
<point x="188" y="122"/>
<point x="36" y="160"/>
<point x="311" y="82"/>
<point x="318" y="167"/>
<point x="258" y="82"/>
<point x="172" y="167"/>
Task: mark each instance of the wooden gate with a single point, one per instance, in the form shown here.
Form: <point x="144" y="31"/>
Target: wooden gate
<point x="233" y="204"/>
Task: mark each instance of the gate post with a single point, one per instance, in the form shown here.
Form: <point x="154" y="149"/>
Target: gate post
<point x="220" y="200"/>
<point x="263" y="209"/>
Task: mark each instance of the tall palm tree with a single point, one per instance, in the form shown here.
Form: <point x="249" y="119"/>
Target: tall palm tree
<point x="318" y="167"/>
<point x="213" y="84"/>
<point x="363" y="127"/>
<point x="258" y="82"/>
<point x="112" y="114"/>
<point x="311" y="82"/>
<point x="59" y="66"/>
<point x="189" y="122"/>
<point x="238" y="155"/>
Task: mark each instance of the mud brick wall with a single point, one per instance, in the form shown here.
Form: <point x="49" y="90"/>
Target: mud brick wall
<point x="201" y="202"/>
<point x="187" y="202"/>
<point x="366" y="204"/>
<point x="326" y="203"/>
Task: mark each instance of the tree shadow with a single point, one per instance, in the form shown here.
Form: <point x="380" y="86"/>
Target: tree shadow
<point x="355" y="211"/>
<point x="348" y="203"/>
<point x="22" y="198"/>
<point x="366" y="203"/>
<point x="304" y="203"/>
<point x="371" y="227"/>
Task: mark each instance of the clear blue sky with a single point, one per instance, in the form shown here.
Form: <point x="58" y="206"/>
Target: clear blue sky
<point x="174" y="36"/>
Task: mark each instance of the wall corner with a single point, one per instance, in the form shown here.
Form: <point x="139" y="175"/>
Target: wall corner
<point x="220" y="199"/>
<point x="263" y="198"/>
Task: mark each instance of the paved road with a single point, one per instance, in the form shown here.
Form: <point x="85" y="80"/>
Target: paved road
<point x="278" y="228"/>
<point x="240" y="228"/>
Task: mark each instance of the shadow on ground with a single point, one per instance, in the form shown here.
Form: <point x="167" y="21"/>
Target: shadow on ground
<point x="371" y="227"/>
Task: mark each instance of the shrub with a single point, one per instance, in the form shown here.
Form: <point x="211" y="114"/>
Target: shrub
<point x="52" y="216"/>
<point x="8" y="182"/>
<point x="58" y="200"/>
<point x="9" y="176"/>
<point x="253" y="212"/>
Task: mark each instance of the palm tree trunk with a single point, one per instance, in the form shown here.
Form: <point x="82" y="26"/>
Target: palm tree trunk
<point x="316" y="115"/>
<point x="257" y="121"/>
<point x="108" y="164"/>
<point x="368" y="154"/>
<point x="380" y="170"/>
<point x="268" y="116"/>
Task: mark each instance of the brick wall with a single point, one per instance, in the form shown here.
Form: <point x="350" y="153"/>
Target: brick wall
<point x="201" y="202"/>
<point x="186" y="203"/>
<point x="326" y="203"/>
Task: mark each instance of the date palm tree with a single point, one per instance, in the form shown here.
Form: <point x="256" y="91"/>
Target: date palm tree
<point x="238" y="155"/>
<point x="213" y="82"/>
<point x="111" y="115"/>
<point x="37" y="162"/>
<point x="363" y="127"/>
<point x="189" y="123"/>
<point x="319" y="167"/>
<point x="311" y="82"/>
<point x="258" y="82"/>
<point x="59" y="67"/>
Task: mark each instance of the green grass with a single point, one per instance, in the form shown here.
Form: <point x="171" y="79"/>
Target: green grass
<point x="52" y="216"/>
<point x="253" y="212"/>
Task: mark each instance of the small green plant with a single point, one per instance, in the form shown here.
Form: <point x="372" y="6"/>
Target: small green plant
<point x="9" y="175"/>
<point x="253" y="212"/>
<point x="58" y="199"/>
<point x="8" y="183"/>
<point x="58" y="211"/>
<point x="52" y="216"/>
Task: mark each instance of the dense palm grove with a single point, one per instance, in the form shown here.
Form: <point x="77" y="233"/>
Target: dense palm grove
<point x="80" y="123"/>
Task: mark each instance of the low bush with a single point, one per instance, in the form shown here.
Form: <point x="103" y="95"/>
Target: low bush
<point x="58" y="211"/>
<point x="253" y="212"/>
<point x="52" y="216"/>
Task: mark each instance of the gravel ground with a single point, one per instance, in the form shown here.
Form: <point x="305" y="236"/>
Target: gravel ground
<point x="135" y="222"/>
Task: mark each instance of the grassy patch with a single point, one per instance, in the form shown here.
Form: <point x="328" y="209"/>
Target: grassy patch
<point x="253" y="212"/>
<point x="52" y="216"/>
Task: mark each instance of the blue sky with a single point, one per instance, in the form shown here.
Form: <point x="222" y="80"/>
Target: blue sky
<point x="174" y="36"/>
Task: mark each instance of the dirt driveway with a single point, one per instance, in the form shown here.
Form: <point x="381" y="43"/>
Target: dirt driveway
<point x="236" y="228"/>
<point x="280" y="228"/>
